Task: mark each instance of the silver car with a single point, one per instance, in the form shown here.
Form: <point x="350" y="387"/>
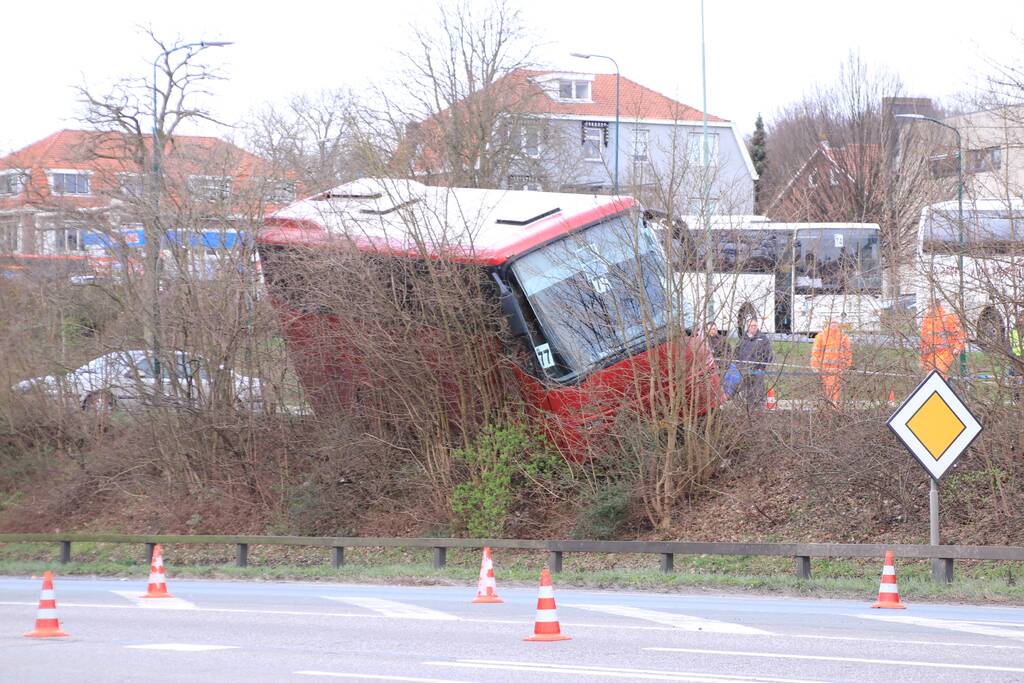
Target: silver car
<point x="126" y="379"/>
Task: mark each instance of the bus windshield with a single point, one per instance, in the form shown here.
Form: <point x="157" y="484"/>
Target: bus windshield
<point x="996" y="231"/>
<point x="597" y="294"/>
<point x="836" y="261"/>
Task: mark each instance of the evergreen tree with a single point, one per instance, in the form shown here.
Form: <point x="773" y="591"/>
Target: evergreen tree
<point x="757" y="147"/>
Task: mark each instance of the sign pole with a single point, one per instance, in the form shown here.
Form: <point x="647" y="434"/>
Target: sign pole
<point x="933" y="527"/>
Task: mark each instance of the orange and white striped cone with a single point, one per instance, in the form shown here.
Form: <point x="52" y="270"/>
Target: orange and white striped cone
<point x="888" y="593"/>
<point x="546" y="627"/>
<point x="892" y="397"/>
<point x="157" y="587"/>
<point x="47" y="623"/>
<point x="486" y="587"/>
<point x="770" y="402"/>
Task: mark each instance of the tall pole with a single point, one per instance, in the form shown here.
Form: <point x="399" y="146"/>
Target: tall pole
<point x="154" y="236"/>
<point x="588" y="55"/>
<point x="705" y="193"/>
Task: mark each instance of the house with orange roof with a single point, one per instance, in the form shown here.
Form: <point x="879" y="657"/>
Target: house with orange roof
<point x="82" y="193"/>
<point x="563" y="136"/>
<point x="835" y="183"/>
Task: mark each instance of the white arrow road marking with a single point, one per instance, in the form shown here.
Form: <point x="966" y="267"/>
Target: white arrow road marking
<point x="181" y="647"/>
<point x="981" y="628"/>
<point x="615" y="672"/>
<point x="396" y="610"/>
<point x="154" y="603"/>
<point x="824" y="658"/>
<point x="379" y="677"/>
<point x="683" y="622"/>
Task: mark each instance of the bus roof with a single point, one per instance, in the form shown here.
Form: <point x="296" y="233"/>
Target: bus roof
<point x="407" y="218"/>
<point x="754" y="222"/>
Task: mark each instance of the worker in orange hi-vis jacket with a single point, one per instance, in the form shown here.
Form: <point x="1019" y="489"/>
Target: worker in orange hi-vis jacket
<point x="831" y="356"/>
<point x="942" y="339"/>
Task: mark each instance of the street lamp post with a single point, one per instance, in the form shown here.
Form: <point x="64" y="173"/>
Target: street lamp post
<point x="933" y="492"/>
<point x="960" y="218"/>
<point x="582" y="55"/>
<point x="155" y="237"/>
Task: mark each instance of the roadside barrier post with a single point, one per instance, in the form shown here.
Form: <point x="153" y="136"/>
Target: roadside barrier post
<point x="942" y="570"/>
<point x="440" y="555"/>
<point x="242" y="555"/>
<point x="803" y="566"/>
<point x="149" y="551"/>
<point x="667" y="562"/>
<point x="555" y="561"/>
<point x="65" y="552"/>
<point x="337" y="556"/>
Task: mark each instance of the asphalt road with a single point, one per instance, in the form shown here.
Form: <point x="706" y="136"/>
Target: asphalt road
<point x="238" y="631"/>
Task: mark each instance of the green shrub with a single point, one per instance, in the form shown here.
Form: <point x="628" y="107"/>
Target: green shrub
<point x="502" y="462"/>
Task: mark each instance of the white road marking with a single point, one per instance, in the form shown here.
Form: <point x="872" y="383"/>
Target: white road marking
<point x="614" y="672"/>
<point x="379" y="677"/>
<point x="181" y="647"/>
<point x="682" y="622"/>
<point x="896" y="641"/>
<point x="395" y="610"/>
<point x="979" y="628"/>
<point x="825" y="658"/>
<point x="154" y="603"/>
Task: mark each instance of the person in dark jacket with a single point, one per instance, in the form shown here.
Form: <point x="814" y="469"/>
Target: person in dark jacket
<point x="753" y="353"/>
<point x="719" y="344"/>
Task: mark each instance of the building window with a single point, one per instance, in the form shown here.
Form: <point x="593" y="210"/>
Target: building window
<point x="524" y="182"/>
<point x="69" y="182"/>
<point x="812" y="179"/>
<point x="12" y="182"/>
<point x="943" y="165"/>
<point x="210" y="187"/>
<point x="641" y="144"/>
<point x="131" y="185"/>
<point x="569" y="89"/>
<point x="70" y="239"/>
<point x="531" y="140"/>
<point x="698" y="155"/>
<point x="595" y="136"/>
<point x="833" y="176"/>
<point x="983" y="160"/>
<point x="10" y="232"/>
<point x="281" y="192"/>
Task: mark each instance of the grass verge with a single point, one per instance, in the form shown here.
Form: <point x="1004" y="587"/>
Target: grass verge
<point x="975" y="582"/>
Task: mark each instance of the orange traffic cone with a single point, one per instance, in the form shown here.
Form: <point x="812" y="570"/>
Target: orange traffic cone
<point x="770" y="402"/>
<point x="157" y="587"/>
<point x="546" y="626"/>
<point x="892" y="397"/>
<point x="47" y="623"/>
<point x="888" y="593"/>
<point x="486" y="587"/>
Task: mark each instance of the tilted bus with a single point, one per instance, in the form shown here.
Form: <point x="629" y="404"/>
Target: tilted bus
<point x="579" y="279"/>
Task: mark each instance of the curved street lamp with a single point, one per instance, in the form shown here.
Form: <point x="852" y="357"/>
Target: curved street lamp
<point x="154" y="239"/>
<point x="584" y="55"/>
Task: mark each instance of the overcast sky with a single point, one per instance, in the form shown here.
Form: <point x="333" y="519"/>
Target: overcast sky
<point x="760" y="55"/>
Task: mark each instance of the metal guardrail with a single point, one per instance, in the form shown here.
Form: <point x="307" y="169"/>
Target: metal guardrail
<point x="667" y="550"/>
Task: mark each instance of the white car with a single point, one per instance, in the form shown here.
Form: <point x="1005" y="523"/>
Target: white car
<point x="125" y="379"/>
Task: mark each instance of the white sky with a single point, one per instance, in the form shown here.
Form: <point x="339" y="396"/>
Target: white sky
<point x="760" y="55"/>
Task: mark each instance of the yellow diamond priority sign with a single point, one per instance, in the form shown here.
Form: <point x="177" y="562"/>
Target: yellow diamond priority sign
<point x="935" y="425"/>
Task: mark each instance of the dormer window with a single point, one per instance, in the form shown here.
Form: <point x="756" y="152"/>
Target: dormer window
<point x="571" y="89"/>
<point x="210" y="187"/>
<point x="69" y="182"/>
<point x="12" y="182"/>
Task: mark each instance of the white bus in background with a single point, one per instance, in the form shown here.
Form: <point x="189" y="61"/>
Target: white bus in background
<point x="790" y="277"/>
<point x="993" y="239"/>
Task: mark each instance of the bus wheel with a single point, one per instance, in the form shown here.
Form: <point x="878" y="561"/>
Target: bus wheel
<point x="746" y="314"/>
<point x="100" y="402"/>
<point x="991" y="332"/>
